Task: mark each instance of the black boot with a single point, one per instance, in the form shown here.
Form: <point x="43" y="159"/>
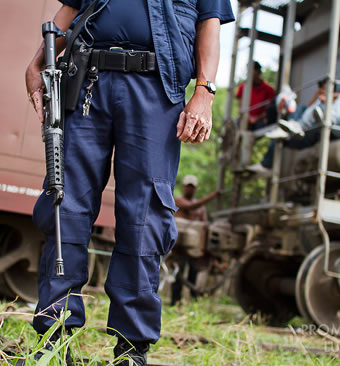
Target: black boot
<point x="136" y="352"/>
<point x="49" y="346"/>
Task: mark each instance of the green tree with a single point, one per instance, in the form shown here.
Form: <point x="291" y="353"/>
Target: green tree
<point x="269" y="76"/>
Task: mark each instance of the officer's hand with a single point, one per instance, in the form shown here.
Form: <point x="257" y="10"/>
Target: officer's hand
<point x="34" y="86"/>
<point x="195" y="122"/>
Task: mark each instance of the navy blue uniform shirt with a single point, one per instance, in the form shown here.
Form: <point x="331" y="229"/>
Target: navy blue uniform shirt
<point x="123" y="21"/>
<point x="173" y="30"/>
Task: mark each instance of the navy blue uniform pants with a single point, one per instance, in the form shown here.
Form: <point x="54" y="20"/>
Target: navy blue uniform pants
<point x="131" y="114"/>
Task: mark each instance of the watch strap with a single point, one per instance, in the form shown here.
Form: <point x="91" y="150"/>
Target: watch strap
<point x="202" y="83"/>
<point x="207" y="84"/>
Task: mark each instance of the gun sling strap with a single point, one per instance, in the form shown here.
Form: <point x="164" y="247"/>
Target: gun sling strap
<point x="75" y="32"/>
<point x="65" y="59"/>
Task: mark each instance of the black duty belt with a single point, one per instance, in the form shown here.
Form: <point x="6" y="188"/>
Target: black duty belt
<point x="118" y="59"/>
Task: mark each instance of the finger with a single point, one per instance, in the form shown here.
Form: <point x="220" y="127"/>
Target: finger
<point x="204" y="132"/>
<point x="199" y="125"/>
<point x="38" y="104"/>
<point x="190" y="123"/>
<point x="180" y="124"/>
<point x="208" y="131"/>
<point x="200" y="137"/>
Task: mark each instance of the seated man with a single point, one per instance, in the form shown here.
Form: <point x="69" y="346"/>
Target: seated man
<point x="305" y="132"/>
<point x="282" y="105"/>
<point x="320" y="91"/>
<point x="261" y="95"/>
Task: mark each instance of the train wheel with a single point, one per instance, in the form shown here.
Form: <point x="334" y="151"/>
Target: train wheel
<point x="322" y="292"/>
<point x="21" y="277"/>
<point x="24" y="250"/>
<point x="264" y="283"/>
<point x="4" y="289"/>
<point x="301" y="282"/>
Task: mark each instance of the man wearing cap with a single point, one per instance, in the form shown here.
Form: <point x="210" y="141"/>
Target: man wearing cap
<point x="194" y="210"/>
<point x="189" y="207"/>
<point x="261" y="95"/>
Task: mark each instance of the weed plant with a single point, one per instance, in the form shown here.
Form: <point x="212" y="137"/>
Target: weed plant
<point x="206" y="332"/>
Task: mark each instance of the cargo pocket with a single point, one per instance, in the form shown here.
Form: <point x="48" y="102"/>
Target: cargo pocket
<point x="160" y="218"/>
<point x="158" y="233"/>
<point x="75" y="228"/>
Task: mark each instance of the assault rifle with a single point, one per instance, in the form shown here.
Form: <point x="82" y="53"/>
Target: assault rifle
<point x="52" y="131"/>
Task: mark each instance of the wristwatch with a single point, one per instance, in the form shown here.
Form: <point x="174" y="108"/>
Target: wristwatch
<point x="207" y="84"/>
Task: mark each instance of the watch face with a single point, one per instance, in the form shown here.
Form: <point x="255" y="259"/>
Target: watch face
<point x="212" y="87"/>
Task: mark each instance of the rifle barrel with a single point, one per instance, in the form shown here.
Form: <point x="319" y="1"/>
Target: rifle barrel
<point x="53" y="134"/>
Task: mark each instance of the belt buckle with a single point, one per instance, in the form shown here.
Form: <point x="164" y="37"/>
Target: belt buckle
<point x="116" y="48"/>
<point x="135" y="61"/>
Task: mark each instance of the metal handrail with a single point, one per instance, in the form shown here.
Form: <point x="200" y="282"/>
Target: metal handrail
<point x="313" y="173"/>
<point x="333" y="174"/>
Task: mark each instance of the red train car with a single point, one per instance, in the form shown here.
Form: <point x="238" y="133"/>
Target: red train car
<point x="22" y="165"/>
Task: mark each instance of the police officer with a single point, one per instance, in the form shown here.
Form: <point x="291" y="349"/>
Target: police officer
<point x="141" y="113"/>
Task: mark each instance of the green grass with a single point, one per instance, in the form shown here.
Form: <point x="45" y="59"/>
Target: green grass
<point x="210" y="331"/>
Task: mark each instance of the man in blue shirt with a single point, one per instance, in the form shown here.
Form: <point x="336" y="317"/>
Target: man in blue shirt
<point x="143" y="116"/>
